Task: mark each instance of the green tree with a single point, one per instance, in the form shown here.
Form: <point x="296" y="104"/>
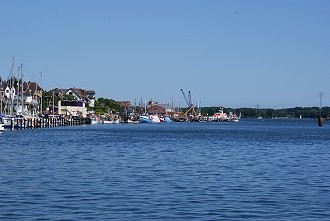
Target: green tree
<point x="105" y="105"/>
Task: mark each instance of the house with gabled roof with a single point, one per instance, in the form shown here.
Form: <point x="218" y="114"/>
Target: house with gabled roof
<point x="32" y="89"/>
<point x="86" y="96"/>
<point x="77" y="105"/>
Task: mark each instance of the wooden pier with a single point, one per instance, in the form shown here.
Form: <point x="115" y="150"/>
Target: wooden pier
<point x="46" y="122"/>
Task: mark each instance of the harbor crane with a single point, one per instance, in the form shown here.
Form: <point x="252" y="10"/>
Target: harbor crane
<point x="191" y="109"/>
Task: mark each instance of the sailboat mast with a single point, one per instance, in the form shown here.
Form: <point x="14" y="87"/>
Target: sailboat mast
<point x="35" y="97"/>
<point x="22" y="99"/>
<point x="11" y="89"/>
<point x="53" y="102"/>
<point x="17" y="91"/>
<point x="41" y="93"/>
<point x="1" y="96"/>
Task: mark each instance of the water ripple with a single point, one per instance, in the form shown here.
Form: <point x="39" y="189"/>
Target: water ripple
<point x="209" y="171"/>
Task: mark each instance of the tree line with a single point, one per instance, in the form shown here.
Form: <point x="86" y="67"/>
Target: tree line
<point x="296" y="112"/>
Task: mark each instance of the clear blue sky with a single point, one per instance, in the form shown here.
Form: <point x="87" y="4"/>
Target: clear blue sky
<point x="235" y="53"/>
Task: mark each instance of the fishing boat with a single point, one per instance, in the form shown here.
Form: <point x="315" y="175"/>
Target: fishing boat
<point x="145" y="119"/>
<point x="155" y="119"/>
<point x="167" y="119"/>
<point x="220" y="115"/>
<point x="149" y="118"/>
<point x="233" y="117"/>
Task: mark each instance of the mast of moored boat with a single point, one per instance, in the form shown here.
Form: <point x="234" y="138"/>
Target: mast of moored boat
<point x="22" y="98"/>
<point x="41" y="93"/>
<point x="11" y="89"/>
<point x="1" y="96"/>
<point x="17" y="90"/>
<point x="53" y="103"/>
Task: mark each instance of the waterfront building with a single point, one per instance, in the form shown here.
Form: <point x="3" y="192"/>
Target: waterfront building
<point x="72" y="108"/>
<point x="73" y="101"/>
<point x="160" y="109"/>
<point x="19" y="98"/>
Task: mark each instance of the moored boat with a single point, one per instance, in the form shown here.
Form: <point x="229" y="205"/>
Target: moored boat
<point x="234" y="117"/>
<point x="149" y="119"/>
<point x="155" y="118"/>
<point x="167" y="119"/>
<point x="8" y="122"/>
<point x="220" y="116"/>
<point x="107" y="121"/>
<point x="94" y="121"/>
<point x="2" y="125"/>
<point x="145" y="119"/>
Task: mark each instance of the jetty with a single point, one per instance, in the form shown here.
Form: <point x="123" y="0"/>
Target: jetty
<point x="44" y="122"/>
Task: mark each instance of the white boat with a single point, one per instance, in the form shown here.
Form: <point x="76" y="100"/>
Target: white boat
<point x="133" y="121"/>
<point x="94" y="121"/>
<point x="155" y="118"/>
<point x="107" y="122"/>
<point x="149" y="119"/>
<point x="258" y="113"/>
<point x="233" y="117"/>
<point x="2" y="125"/>
<point x="8" y="122"/>
<point x="220" y="116"/>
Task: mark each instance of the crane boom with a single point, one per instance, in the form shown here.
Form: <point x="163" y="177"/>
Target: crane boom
<point x="185" y="97"/>
<point x="191" y="112"/>
<point x="189" y="98"/>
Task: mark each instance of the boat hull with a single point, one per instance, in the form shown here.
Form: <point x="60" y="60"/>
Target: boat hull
<point x="149" y="119"/>
<point x="145" y="119"/>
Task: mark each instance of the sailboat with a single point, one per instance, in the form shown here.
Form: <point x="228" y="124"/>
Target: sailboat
<point x="258" y="113"/>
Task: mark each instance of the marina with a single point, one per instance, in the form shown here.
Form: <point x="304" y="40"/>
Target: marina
<point x="26" y="105"/>
<point x="164" y="110"/>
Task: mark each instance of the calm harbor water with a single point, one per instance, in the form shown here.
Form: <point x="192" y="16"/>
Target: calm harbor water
<point x="250" y="170"/>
